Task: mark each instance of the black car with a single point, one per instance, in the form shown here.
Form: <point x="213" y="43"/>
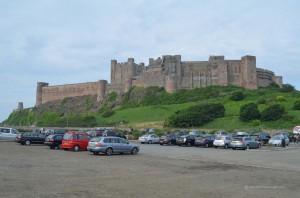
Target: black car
<point x="113" y="134"/>
<point x="188" y="140"/>
<point x="32" y="138"/>
<point x="169" y="139"/>
<point x="205" y="140"/>
<point x="54" y="141"/>
<point x="261" y="137"/>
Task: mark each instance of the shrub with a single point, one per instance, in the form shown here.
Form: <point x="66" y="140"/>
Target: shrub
<point x="237" y="96"/>
<point x="272" y="112"/>
<point x="196" y="115"/>
<point x="261" y="101"/>
<point x="108" y="113"/>
<point x="296" y="105"/>
<point x="287" y="88"/>
<point x="112" y="96"/>
<point x="249" y="112"/>
<point x="280" y="98"/>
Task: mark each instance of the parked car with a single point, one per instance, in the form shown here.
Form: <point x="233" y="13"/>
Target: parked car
<point x="241" y="134"/>
<point x="54" y="141"/>
<point x="112" y="134"/>
<point x="95" y="133"/>
<point x="285" y="133"/>
<point x="195" y="133"/>
<point x="277" y="140"/>
<point x="188" y="140"/>
<point x="222" y="141"/>
<point x="149" y="138"/>
<point x="75" y="141"/>
<point x="28" y="138"/>
<point x="244" y="143"/>
<point x="110" y="145"/>
<point x="169" y="139"/>
<point x="8" y="133"/>
<point x="222" y="133"/>
<point x="262" y="137"/>
<point x="205" y="140"/>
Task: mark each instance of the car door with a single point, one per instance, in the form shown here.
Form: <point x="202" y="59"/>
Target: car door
<point x="154" y="138"/>
<point x="115" y="144"/>
<point x="125" y="146"/>
<point x="41" y="138"/>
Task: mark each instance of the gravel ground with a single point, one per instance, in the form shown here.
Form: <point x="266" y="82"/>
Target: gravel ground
<point x="157" y="171"/>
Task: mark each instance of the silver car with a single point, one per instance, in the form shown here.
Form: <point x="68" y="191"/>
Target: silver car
<point x="110" y="145"/>
<point x="277" y="140"/>
<point x="222" y="141"/>
<point x="149" y="138"/>
<point x="8" y="133"/>
<point x="244" y="143"/>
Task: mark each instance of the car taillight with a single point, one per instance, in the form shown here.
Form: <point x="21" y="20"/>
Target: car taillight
<point x="204" y="139"/>
<point x="241" y="141"/>
<point x="99" y="144"/>
<point x="166" y="138"/>
<point x="51" y="140"/>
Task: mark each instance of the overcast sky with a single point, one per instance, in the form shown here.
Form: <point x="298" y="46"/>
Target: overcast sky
<point x="73" y="41"/>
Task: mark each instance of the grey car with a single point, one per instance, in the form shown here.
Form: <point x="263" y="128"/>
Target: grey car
<point x="244" y="143"/>
<point x="8" y="133"/>
<point x="110" y="145"/>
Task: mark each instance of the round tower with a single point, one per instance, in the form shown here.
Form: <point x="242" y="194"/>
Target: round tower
<point x="101" y="89"/>
<point x="39" y="93"/>
<point x="128" y="84"/>
<point x="171" y="84"/>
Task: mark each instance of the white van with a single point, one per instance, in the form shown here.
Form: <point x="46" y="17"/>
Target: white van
<point x="8" y="133"/>
<point x="296" y="130"/>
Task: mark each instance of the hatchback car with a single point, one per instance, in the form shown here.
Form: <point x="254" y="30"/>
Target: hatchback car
<point x="8" y="133"/>
<point x="110" y="145"/>
<point x="263" y="138"/>
<point x="205" y="140"/>
<point x="54" y="141"/>
<point x="149" y="138"/>
<point x="244" y="143"/>
<point x="75" y="141"/>
<point x="222" y="141"/>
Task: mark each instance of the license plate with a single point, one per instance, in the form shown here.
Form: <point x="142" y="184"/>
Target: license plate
<point x="92" y="144"/>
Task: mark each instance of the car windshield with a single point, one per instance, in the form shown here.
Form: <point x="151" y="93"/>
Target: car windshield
<point x="50" y="136"/>
<point x="277" y="137"/>
<point x="146" y="135"/>
<point x="96" y="139"/>
<point x="67" y="136"/>
<point x="219" y="138"/>
<point x="238" y="139"/>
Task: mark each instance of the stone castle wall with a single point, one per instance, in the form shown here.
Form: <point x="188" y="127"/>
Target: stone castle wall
<point x="168" y="72"/>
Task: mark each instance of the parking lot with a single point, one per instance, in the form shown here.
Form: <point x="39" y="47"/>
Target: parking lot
<point x="157" y="171"/>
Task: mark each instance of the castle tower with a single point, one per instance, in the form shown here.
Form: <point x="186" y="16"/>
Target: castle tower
<point x="171" y="84"/>
<point x="39" y="93"/>
<point x="249" y="77"/>
<point x="128" y="84"/>
<point x="101" y="90"/>
<point x="20" y="106"/>
<point x="113" y="69"/>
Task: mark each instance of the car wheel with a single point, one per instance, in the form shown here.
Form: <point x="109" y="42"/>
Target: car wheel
<point x="206" y="145"/>
<point x="161" y="144"/>
<point x="59" y="146"/>
<point x="179" y="144"/>
<point x="108" y="151"/>
<point x="216" y="147"/>
<point x="52" y="147"/>
<point x="247" y="147"/>
<point x="27" y="142"/>
<point x="76" y="148"/>
<point x="142" y="142"/>
<point x="169" y="143"/>
<point x="149" y="142"/>
<point x="233" y="148"/>
<point x="134" y="151"/>
<point x="226" y="146"/>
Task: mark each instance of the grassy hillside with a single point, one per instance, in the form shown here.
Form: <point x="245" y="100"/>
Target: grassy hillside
<point x="150" y="107"/>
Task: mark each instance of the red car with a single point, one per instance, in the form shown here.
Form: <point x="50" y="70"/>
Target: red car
<point x="75" y="141"/>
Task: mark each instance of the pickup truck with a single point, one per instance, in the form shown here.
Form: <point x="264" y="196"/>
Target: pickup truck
<point x="8" y="133"/>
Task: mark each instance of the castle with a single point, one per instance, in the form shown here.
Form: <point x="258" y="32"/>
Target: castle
<point x="169" y="72"/>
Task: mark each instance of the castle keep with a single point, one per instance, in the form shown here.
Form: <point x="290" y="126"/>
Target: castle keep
<point x="169" y="72"/>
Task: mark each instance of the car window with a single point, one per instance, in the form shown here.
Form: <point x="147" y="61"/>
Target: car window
<point x="5" y="130"/>
<point x="107" y="140"/>
<point x="41" y="135"/>
<point x="58" y="137"/>
<point x="123" y="141"/>
<point x="14" y="131"/>
<point x="115" y="140"/>
<point x="67" y="136"/>
<point x="34" y="134"/>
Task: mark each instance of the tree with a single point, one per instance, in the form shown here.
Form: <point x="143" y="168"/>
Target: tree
<point x="272" y="112"/>
<point x="249" y="112"/>
<point x="287" y="88"/>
